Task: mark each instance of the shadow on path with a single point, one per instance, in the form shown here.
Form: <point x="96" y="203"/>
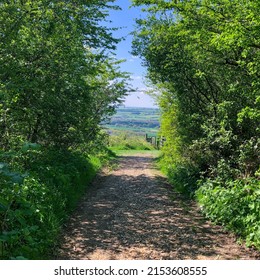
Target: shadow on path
<point x="129" y="215"/>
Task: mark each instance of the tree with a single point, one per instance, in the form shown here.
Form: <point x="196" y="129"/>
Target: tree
<point x="206" y="55"/>
<point x="57" y="77"/>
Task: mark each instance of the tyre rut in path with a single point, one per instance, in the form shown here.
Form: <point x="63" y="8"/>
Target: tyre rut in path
<point x="133" y="213"/>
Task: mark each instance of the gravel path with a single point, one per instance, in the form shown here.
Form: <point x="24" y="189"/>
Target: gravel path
<point x="133" y="213"/>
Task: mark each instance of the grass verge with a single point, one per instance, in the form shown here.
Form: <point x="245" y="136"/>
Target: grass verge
<point x="153" y="153"/>
<point x="129" y="141"/>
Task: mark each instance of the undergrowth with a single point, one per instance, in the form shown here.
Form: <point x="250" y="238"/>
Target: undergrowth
<point x="38" y="189"/>
<point x="181" y="175"/>
<point x="236" y="206"/>
<point x="129" y="141"/>
<point x="232" y="203"/>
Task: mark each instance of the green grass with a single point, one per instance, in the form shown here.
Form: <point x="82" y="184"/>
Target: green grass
<point x="138" y="130"/>
<point x="154" y="153"/>
<point x="129" y="141"/>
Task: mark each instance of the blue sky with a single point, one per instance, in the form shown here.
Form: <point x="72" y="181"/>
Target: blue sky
<point x="126" y="19"/>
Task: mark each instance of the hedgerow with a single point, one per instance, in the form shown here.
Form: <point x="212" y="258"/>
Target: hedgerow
<point x="39" y="189"/>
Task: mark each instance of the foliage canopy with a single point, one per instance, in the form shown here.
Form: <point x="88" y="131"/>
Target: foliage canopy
<point x="57" y="78"/>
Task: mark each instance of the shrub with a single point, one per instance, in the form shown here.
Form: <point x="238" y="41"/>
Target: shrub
<point x="236" y="206"/>
<point x="182" y="176"/>
<point x="36" y="198"/>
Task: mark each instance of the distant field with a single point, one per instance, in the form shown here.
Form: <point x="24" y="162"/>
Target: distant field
<point x="136" y="120"/>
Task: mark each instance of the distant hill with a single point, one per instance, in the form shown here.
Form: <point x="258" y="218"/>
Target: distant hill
<point x="134" y="119"/>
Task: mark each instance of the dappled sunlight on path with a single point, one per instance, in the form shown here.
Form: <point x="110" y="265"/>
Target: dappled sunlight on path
<point x="133" y="213"/>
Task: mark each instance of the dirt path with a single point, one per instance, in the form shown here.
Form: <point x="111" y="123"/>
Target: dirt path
<point x="132" y="213"/>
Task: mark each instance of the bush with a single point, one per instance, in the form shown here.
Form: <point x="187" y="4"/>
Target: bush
<point x="236" y="206"/>
<point x="37" y="197"/>
<point x="182" y="176"/>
